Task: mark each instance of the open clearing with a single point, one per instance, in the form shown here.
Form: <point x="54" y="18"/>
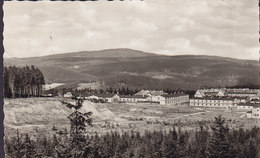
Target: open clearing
<point x="48" y="116"/>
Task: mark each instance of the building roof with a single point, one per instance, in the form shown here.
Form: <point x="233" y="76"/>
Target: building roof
<point x="210" y="93"/>
<point x="174" y="95"/>
<point x="244" y="92"/>
<point x="68" y="93"/>
<point x="213" y="98"/>
<point x="241" y="97"/>
<point x="249" y="104"/>
<point x="132" y="96"/>
<point x="151" y="92"/>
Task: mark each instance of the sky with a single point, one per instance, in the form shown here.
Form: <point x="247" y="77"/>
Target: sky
<point x="172" y="27"/>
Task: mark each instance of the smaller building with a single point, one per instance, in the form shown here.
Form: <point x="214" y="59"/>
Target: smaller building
<point x="245" y="106"/>
<point x="239" y="100"/>
<point x="254" y="112"/>
<point x="255" y="101"/>
<point x="99" y="97"/>
<point x="115" y="98"/>
<point x="199" y="94"/>
<point x="249" y="114"/>
<point x="67" y="95"/>
<point x="92" y="97"/>
<point x="132" y="98"/>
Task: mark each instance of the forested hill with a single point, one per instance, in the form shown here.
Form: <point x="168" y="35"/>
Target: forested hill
<point x="138" y="69"/>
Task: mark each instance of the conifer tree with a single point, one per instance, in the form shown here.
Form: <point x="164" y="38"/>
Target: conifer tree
<point x="29" y="147"/>
<point x="78" y="121"/>
<point x="23" y="81"/>
<point x="218" y="146"/>
<point x="17" y="145"/>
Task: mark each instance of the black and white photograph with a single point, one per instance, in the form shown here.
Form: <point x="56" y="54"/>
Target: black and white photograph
<point x="131" y="79"/>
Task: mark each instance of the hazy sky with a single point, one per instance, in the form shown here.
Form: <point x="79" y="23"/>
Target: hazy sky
<point x="173" y="27"/>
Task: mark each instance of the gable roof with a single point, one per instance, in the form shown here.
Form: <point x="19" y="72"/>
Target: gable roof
<point x="151" y="92"/>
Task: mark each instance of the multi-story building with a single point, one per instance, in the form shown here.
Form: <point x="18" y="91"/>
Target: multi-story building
<point x="252" y="93"/>
<point x="223" y="92"/>
<point x="213" y="102"/>
<point x="176" y="99"/>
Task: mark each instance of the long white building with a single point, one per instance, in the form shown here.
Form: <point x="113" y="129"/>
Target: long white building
<point x="213" y="102"/>
<point x="223" y="92"/>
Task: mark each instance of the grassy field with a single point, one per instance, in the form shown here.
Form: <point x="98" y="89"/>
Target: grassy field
<point x="48" y="116"/>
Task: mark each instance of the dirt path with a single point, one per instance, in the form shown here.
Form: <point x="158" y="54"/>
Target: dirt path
<point x="190" y="114"/>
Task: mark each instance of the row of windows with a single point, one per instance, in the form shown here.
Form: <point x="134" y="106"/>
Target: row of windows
<point x="131" y="99"/>
<point x="217" y="101"/>
<point x="176" y="100"/>
<point x="242" y="95"/>
<point x="244" y="107"/>
<point x="196" y="104"/>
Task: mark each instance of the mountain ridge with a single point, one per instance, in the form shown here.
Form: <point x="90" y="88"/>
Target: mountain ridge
<point x="135" y="68"/>
<point x="122" y="50"/>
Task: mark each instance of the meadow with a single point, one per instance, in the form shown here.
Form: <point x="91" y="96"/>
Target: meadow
<point x="48" y="116"/>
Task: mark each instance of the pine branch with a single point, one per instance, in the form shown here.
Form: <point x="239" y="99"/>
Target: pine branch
<point x="68" y="104"/>
<point x="88" y="114"/>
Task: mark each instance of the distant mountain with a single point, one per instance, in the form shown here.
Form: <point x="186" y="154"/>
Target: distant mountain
<point x="136" y="69"/>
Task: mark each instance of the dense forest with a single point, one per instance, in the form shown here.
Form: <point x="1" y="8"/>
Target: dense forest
<point x="216" y="141"/>
<point x="22" y="81"/>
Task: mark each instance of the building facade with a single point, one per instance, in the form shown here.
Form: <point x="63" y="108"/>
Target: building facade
<point x="254" y="112"/>
<point x="223" y="92"/>
<point x="67" y="95"/>
<point x="212" y="102"/>
<point x="178" y="99"/>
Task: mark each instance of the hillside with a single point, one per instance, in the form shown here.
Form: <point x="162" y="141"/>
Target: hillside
<point x="138" y="69"/>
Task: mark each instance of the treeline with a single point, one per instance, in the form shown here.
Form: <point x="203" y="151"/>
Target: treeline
<point x="123" y="91"/>
<point x="22" y="81"/>
<point x="110" y="90"/>
<point x="218" y="141"/>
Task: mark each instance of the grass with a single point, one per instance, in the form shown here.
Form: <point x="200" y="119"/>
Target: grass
<point x="39" y="115"/>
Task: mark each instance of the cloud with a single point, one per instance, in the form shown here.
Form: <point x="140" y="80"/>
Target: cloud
<point x="177" y="43"/>
<point x="141" y="25"/>
<point x="227" y="28"/>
